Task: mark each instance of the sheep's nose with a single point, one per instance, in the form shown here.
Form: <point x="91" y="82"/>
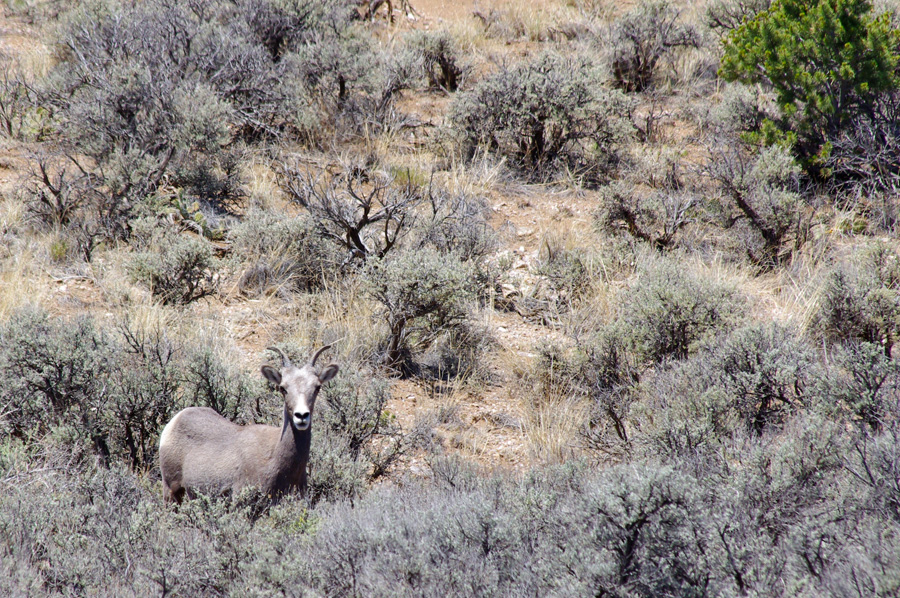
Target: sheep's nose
<point x="301" y="416"/>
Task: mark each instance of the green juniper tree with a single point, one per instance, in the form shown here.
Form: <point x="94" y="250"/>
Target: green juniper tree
<point x="828" y="62"/>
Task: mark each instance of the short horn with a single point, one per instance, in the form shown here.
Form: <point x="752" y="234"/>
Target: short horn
<point x="312" y="361"/>
<point x="284" y="358"/>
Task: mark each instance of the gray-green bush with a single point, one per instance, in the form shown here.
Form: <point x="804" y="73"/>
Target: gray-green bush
<point x="438" y="57"/>
<point x="861" y="299"/>
<point x="668" y="312"/>
<point x="861" y="381"/>
<point x="555" y="533"/>
<point x="166" y="90"/>
<point x="115" y="388"/>
<point x="750" y="383"/>
<point x="364" y="213"/>
<point x="758" y="373"/>
<point x="723" y="16"/>
<point x="566" y="272"/>
<point x="655" y="218"/>
<point x="346" y="87"/>
<point x="357" y="440"/>
<point x="545" y="114"/>
<point x="455" y="223"/>
<point x="760" y="200"/>
<point x="52" y="374"/>
<point x="67" y="200"/>
<point x="19" y="108"/>
<point x="118" y="539"/>
<point x="281" y="253"/>
<point x="181" y="269"/>
<point x="421" y="293"/>
<point x="810" y="508"/>
<point x="645" y="38"/>
<point x="606" y="372"/>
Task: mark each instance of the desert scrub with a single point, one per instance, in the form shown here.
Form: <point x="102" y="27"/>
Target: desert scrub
<point x="75" y="376"/>
<point x="360" y="440"/>
<point x="741" y="109"/>
<point x="650" y="35"/>
<point x="21" y="116"/>
<point x="762" y="373"/>
<point x="457" y="354"/>
<point x="455" y="223"/>
<point x="758" y="198"/>
<point x="214" y="184"/>
<point x="65" y="199"/>
<point x="365" y="212"/>
<point x="860" y="384"/>
<point x="723" y="16"/>
<point x="750" y="383"/>
<point x="115" y="388"/>
<point x="566" y="273"/>
<point x="52" y="372"/>
<point x="208" y="377"/>
<point x="655" y="218"/>
<point x="181" y="270"/>
<point x="787" y="481"/>
<point x="278" y="253"/>
<point x="803" y="507"/>
<point x="181" y="85"/>
<point x="605" y="371"/>
<point x="667" y="312"/>
<point x="421" y="294"/>
<point x="106" y="91"/>
<point x="344" y="84"/>
<point x="578" y="401"/>
<point x="437" y="57"/>
<point x="861" y="299"/>
<point x="118" y="539"/>
<point x="561" y="531"/>
<point x="544" y="115"/>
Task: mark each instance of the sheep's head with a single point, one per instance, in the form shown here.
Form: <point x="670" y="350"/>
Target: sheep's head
<point x="299" y="385"/>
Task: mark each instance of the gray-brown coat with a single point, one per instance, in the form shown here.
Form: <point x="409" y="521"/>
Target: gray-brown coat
<point x="199" y="450"/>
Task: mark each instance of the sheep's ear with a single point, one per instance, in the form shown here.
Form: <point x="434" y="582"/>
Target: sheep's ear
<point x="328" y="373"/>
<point x="271" y="374"/>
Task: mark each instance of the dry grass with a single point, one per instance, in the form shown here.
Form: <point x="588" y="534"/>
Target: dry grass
<point x="340" y="314"/>
<point x="118" y="292"/>
<point x="551" y="414"/>
<point x="469" y="35"/>
<point x="553" y="419"/>
<point x="150" y="317"/>
<point x="21" y="282"/>
<point x="12" y="214"/>
<point x="34" y="61"/>
<point x="261" y="185"/>
<point x="595" y="309"/>
<point x="525" y="20"/>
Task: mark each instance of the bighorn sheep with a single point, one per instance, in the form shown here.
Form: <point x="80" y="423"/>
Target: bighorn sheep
<point x="199" y="450"/>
